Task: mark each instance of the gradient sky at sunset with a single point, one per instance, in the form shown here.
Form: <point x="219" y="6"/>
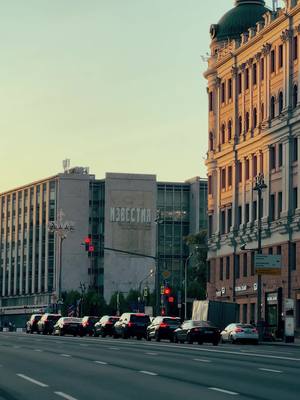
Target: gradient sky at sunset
<point x="112" y="84"/>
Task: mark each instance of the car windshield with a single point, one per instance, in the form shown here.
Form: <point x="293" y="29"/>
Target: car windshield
<point x="53" y="317"/>
<point x="172" y="321"/>
<point x="140" y="318"/>
<point x="202" y="323"/>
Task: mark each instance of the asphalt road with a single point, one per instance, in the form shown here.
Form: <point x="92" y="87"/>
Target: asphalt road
<point x="40" y="367"/>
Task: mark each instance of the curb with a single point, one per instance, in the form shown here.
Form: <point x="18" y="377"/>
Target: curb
<point x="281" y="344"/>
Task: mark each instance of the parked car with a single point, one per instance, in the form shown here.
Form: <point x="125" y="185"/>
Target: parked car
<point x="67" y="326"/>
<point x="105" y="326"/>
<point x="162" y="328"/>
<point x="47" y="322"/>
<point x="130" y="325"/>
<point x="234" y="333"/>
<point x="87" y="325"/>
<point x="31" y="325"/>
<point x="197" y="331"/>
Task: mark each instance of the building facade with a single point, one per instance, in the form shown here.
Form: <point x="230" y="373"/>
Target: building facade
<point x="253" y="77"/>
<point x="118" y="214"/>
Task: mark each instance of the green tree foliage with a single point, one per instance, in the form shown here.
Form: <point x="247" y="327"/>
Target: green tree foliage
<point x="197" y="269"/>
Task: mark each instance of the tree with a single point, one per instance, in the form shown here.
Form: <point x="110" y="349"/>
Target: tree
<point x="198" y="265"/>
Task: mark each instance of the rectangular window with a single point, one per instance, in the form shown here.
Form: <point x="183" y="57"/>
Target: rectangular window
<point x="270" y="251"/>
<point x="273" y="61"/>
<point x="293" y="251"/>
<point x="210" y="101"/>
<point x="295" y="48"/>
<point x="229" y="219"/>
<point x="278" y="250"/>
<point x="262" y="69"/>
<point x="223" y="94"/>
<point x="223" y="222"/>
<point x="295" y="198"/>
<point x="252" y="263"/>
<point x="247" y="168"/>
<point x="230" y="175"/>
<point x="229" y="89"/>
<point x="247" y="213"/>
<point x="223" y="178"/>
<point x="280" y="155"/>
<point x="247" y="78"/>
<point x="279" y="204"/>
<point x="237" y="267"/>
<point x="239" y="83"/>
<point x="254" y="210"/>
<point x="254" y="75"/>
<point x="221" y="269"/>
<point x="272" y="207"/>
<point x="227" y="267"/>
<point x="272" y="157"/>
<point x="245" y="265"/>
<point x="295" y="148"/>
<point x="254" y="166"/>
<point x="240" y="172"/>
<point x="239" y="215"/>
<point x="280" y="56"/>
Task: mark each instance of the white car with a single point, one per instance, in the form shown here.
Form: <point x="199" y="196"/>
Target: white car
<point x="239" y="332"/>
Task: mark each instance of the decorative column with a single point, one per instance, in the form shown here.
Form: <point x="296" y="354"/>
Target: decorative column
<point x="259" y="83"/>
<point x="243" y="161"/>
<point x="250" y="190"/>
<point x="266" y="173"/>
<point x="217" y="111"/>
<point x="250" y="66"/>
<point x="234" y="193"/>
<point x="234" y="72"/>
<point x="286" y="38"/>
<point x="266" y="53"/>
<point x="243" y="68"/>
<point x="286" y="178"/>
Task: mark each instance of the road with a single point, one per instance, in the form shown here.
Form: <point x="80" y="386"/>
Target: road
<point x="39" y="367"/>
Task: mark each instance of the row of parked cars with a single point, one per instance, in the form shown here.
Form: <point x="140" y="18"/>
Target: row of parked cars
<point x="140" y="325"/>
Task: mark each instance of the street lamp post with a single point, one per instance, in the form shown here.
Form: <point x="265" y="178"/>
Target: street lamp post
<point x="157" y="221"/>
<point x="259" y="187"/>
<point x="185" y="283"/>
<point x="60" y="229"/>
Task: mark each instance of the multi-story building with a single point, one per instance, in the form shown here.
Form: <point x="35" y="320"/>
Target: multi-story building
<point x="254" y="127"/>
<point x="117" y="213"/>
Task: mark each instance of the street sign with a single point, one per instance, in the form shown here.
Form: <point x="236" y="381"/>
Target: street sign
<point x="267" y="264"/>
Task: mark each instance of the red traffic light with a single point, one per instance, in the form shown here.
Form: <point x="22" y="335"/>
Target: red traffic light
<point x="167" y="291"/>
<point x="87" y="240"/>
<point x="91" y="249"/>
<point x="171" y="299"/>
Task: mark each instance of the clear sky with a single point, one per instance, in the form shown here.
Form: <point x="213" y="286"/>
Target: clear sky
<point x="115" y="85"/>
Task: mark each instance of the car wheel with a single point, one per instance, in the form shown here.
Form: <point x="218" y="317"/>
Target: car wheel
<point x="232" y="340"/>
<point x="172" y="339"/>
<point x="157" y="338"/>
<point x="222" y="340"/>
<point x="189" y="339"/>
<point x="175" y="339"/>
<point x="148" y="338"/>
<point x="61" y="333"/>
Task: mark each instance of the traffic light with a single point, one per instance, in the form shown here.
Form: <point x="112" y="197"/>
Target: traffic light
<point x="87" y="242"/>
<point x="167" y="291"/>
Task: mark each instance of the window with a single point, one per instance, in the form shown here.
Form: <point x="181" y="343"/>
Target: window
<point x="278" y="250"/>
<point x="295" y="148"/>
<point x="247" y="123"/>
<point x="272" y="108"/>
<point x="254" y="118"/>
<point x="254" y="211"/>
<point x="211" y="141"/>
<point x="223" y="178"/>
<point x="229" y="219"/>
<point x="245" y="310"/>
<point x="240" y="125"/>
<point x="252" y="263"/>
<point x="295" y="96"/>
<point x="239" y="215"/>
<point x="209" y="184"/>
<point x="247" y="168"/>
<point x="280" y="102"/>
<point x="230" y="175"/>
<point x="272" y="157"/>
<point x="229" y="130"/>
<point x="293" y="254"/>
<point x="270" y="251"/>
<point x="221" y="269"/>
<point x="280" y="155"/>
<point x="237" y="266"/>
<point x="272" y="207"/>
<point x="295" y="48"/>
<point x="227" y="267"/>
<point x="239" y="171"/>
<point x="254" y="166"/>
<point x="273" y="61"/>
<point x="223" y="134"/>
<point x="223" y="94"/>
<point x="247" y="213"/>
<point x="254" y="74"/>
<point x="279" y="204"/>
<point x="239" y="83"/>
<point x="229" y="89"/>
<point x="210" y="101"/>
<point x="245" y="265"/>
<point x="246" y="78"/>
<point x="295" y="198"/>
<point x="223" y="222"/>
<point x="262" y="69"/>
<point x="280" y="56"/>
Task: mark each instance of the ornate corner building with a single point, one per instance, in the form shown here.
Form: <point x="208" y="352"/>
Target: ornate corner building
<point x="253" y="77"/>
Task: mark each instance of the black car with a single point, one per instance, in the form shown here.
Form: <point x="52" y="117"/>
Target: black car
<point x="162" y="328"/>
<point x="197" y="331"/>
<point x="46" y="323"/>
<point x="87" y="325"/>
<point x="130" y="325"/>
<point x="31" y="325"/>
<point x="105" y="326"/>
<point x="67" y="326"/>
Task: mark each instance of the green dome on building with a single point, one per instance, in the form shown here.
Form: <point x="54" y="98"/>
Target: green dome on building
<point x="239" y="19"/>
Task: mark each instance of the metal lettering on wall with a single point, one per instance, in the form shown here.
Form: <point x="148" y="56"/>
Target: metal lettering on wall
<point x="130" y="215"/>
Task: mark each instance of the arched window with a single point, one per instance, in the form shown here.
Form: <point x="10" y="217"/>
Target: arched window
<point x="223" y="134"/>
<point x="229" y="130"/>
<point x="280" y="102"/>
<point x="240" y="125"/>
<point x="272" y="108"/>
<point x="211" y="141"/>
<point x="254" y="117"/>
<point x="247" y="123"/>
<point x="295" y="96"/>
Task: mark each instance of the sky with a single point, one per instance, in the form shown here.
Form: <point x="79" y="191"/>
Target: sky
<point x="115" y="85"/>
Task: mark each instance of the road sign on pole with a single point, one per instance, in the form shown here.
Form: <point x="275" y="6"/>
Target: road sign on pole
<point x="267" y="264"/>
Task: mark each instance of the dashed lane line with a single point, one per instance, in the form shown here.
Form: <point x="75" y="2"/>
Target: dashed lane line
<point x="270" y="370"/>
<point x="202" y="360"/>
<point x="223" y="391"/>
<point x="38" y="350"/>
<point x="148" y="373"/>
<point x="65" y="396"/>
<point x="101" y="362"/>
<point x="65" y="355"/>
<point x="151" y="353"/>
<point x="27" y="378"/>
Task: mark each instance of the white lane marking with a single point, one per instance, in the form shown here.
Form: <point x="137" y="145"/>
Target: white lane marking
<point x="148" y="373"/>
<point x="65" y="355"/>
<point x="38" y="350"/>
<point x="150" y="353"/>
<point x="270" y="370"/>
<point x="223" y="391"/>
<point x="265" y="351"/>
<point x="101" y="362"/>
<point x="65" y="395"/>
<point x="202" y="360"/>
<point x="113" y="348"/>
<point x="27" y="378"/>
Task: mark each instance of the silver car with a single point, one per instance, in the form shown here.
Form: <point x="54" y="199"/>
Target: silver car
<point x="239" y="332"/>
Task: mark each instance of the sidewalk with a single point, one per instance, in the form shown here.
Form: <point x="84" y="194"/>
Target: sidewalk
<point x="296" y="344"/>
